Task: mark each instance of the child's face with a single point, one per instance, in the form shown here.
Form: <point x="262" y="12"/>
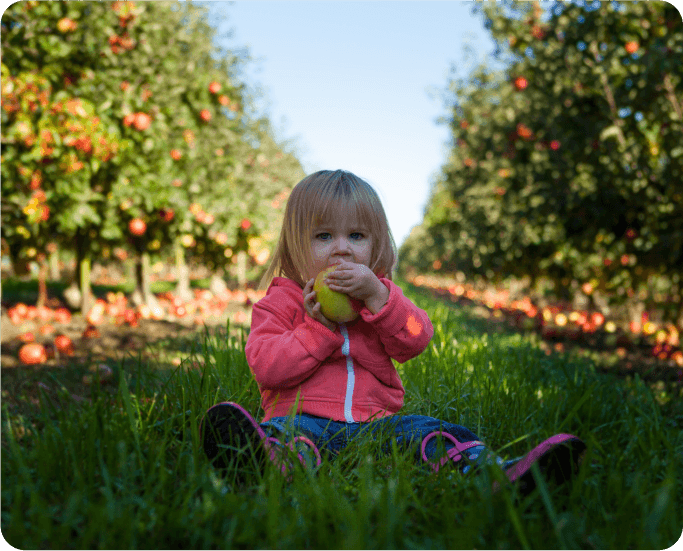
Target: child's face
<point x="343" y="239"/>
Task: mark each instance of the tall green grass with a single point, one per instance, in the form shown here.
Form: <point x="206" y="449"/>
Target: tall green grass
<point x="127" y="470"/>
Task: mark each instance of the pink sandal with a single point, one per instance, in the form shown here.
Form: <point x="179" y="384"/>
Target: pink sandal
<point x="230" y="435"/>
<point x="454" y="454"/>
<point x="558" y="459"/>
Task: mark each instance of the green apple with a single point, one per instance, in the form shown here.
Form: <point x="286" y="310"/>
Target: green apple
<point x="335" y="306"/>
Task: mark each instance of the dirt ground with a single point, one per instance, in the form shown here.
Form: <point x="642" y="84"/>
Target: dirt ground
<point x="113" y="340"/>
<point x="166" y="342"/>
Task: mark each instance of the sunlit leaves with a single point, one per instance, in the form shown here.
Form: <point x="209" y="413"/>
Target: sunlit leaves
<point x="122" y="110"/>
<point x="578" y="138"/>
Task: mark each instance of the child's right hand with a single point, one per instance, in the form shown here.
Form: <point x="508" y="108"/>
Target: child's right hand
<point x="313" y="306"/>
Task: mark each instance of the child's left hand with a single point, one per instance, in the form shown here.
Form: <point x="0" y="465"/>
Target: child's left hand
<point x="357" y="281"/>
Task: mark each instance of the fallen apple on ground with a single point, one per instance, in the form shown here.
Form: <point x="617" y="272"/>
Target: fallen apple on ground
<point x="32" y="354"/>
<point x="335" y="306"/>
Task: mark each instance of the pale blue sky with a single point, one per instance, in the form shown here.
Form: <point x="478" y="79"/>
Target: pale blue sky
<point x="350" y="81"/>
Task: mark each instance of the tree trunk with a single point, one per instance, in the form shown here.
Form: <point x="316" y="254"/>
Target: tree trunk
<point x="83" y="273"/>
<point x="635" y="310"/>
<point x="20" y="267"/>
<point x="87" y="298"/>
<point x="130" y="264"/>
<point x="55" y="274"/>
<point x="143" y="292"/>
<point x="147" y="279"/>
<point x="242" y="269"/>
<point x="42" y="283"/>
<point x="182" y="289"/>
<point x="217" y="285"/>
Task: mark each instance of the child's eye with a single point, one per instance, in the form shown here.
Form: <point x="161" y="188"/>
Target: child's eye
<point x="320" y="235"/>
<point x="353" y="233"/>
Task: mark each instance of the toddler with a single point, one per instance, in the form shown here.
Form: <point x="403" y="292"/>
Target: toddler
<point x="324" y="384"/>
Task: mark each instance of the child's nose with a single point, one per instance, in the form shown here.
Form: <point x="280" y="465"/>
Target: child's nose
<point x="341" y="244"/>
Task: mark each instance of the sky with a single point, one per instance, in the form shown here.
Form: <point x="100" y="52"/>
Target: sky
<point x="359" y="85"/>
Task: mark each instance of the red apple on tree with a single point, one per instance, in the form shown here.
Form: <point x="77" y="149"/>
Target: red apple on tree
<point x="137" y="226"/>
<point x="521" y="83"/>
<point x="46" y="329"/>
<point x="142" y="121"/>
<point x="214" y="87"/>
<point x="205" y="114"/>
<point x="64" y="25"/>
<point x="524" y="131"/>
<point x="176" y="154"/>
<point x="632" y="47"/>
<point x="537" y="32"/>
<point x="166" y="214"/>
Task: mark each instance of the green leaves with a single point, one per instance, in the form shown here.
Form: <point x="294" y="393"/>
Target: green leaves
<point x="117" y="103"/>
<point x="579" y="137"/>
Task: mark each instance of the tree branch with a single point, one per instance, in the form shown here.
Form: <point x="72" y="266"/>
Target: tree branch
<point x="671" y="96"/>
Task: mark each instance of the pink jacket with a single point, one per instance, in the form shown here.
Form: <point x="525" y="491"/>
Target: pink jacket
<point x="345" y="375"/>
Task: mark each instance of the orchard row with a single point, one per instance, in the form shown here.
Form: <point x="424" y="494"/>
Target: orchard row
<point x="126" y="130"/>
<point x="567" y="166"/>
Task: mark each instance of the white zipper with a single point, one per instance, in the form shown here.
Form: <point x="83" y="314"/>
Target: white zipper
<point x="350" y="374"/>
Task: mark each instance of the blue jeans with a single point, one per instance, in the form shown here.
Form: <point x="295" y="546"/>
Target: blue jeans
<point x="333" y="436"/>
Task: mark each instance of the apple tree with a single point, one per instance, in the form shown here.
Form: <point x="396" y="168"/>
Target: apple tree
<point x="54" y="143"/>
<point x="566" y="165"/>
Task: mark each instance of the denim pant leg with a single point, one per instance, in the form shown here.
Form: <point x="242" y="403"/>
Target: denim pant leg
<point x="329" y="436"/>
<point x="333" y="436"/>
<point x="411" y="430"/>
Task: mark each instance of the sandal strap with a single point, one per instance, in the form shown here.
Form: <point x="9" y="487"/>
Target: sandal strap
<point x="454" y="454"/>
<point x="276" y="448"/>
<point x="310" y="444"/>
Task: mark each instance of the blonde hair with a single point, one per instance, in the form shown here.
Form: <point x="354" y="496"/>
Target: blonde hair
<point x="315" y="200"/>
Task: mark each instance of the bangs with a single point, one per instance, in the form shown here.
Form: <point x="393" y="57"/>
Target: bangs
<point x="342" y="198"/>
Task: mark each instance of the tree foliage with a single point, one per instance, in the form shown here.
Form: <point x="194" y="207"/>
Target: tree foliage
<point x="567" y="165"/>
<point x="122" y="111"/>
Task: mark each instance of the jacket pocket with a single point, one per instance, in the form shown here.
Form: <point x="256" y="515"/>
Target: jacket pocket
<point x="383" y="372"/>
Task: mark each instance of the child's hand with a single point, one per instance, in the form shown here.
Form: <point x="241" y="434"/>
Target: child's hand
<point x="313" y="306"/>
<point x="358" y="281"/>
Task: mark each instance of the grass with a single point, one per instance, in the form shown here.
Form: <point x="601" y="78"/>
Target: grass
<point x="126" y="470"/>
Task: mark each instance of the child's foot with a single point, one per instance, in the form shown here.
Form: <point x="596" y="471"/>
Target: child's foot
<point x="558" y="459"/>
<point x="231" y="436"/>
<point x="464" y="454"/>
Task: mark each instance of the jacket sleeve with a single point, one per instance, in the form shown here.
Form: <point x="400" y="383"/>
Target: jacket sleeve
<point x="281" y="352"/>
<point x="404" y="329"/>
